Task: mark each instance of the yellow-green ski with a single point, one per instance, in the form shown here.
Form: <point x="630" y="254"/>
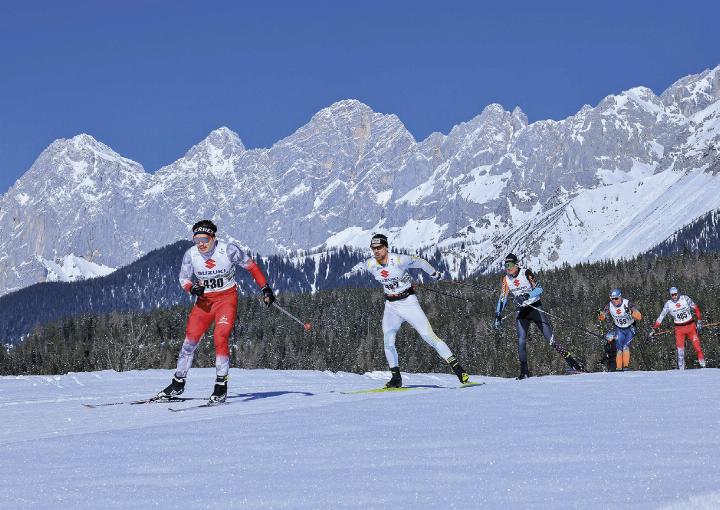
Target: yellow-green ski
<point x="379" y="390"/>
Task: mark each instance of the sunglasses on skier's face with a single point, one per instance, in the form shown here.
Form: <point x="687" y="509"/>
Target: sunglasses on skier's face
<point x="510" y="265"/>
<point x="616" y="298"/>
<point x="202" y="239"/>
<point x="674" y="294"/>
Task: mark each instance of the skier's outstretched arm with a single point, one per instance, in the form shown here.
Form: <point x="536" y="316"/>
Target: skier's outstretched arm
<point x="419" y="263"/>
<point x="237" y="256"/>
<point x="502" y="301"/>
<point x="658" y="321"/>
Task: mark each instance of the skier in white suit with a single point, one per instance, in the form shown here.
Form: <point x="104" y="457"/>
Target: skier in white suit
<point x="401" y="304"/>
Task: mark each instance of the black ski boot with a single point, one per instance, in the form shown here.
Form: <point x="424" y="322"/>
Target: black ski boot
<point x="573" y="363"/>
<point x="463" y="376"/>
<point x="396" y="379"/>
<point x="219" y="393"/>
<point x="524" y="371"/>
<point x="175" y="388"/>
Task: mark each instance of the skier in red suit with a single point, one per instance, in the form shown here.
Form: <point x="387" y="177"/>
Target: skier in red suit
<point x="208" y="272"/>
<point x="681" y="308"/>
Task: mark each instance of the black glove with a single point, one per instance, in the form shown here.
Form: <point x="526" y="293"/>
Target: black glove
<point x="436" y="275"/>
<point x="268" y="296"/>
<point x="520" y="299"/>
<point x="498" y="322"/>
<point x="197" y="290"/>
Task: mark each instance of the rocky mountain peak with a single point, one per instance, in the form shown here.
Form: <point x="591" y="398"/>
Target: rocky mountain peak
<point x="519" y="119"/>
<point x="693" y="93"/>
<point x="224" y="136"/>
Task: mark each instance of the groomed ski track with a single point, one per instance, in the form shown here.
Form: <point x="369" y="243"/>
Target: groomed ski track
<point x="293" y="440"/>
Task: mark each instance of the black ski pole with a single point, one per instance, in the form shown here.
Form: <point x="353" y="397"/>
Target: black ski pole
<point x="567" y="321"/>
<point x="469" y="285"/>
<point x="425" y="287"/>
<point x="305" y="325"/>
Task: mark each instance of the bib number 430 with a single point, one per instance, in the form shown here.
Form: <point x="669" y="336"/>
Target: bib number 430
<point x="214" y="283"/>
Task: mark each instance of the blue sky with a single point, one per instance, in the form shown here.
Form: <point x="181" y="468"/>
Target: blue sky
<point x="152" y="78"/>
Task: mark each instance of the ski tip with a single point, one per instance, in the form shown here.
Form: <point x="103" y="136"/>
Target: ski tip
<point x="470" y="384"/>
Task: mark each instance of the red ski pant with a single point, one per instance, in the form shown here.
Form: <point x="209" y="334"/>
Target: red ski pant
<point x="220" y="307"/>
<point x="689" y="331"/>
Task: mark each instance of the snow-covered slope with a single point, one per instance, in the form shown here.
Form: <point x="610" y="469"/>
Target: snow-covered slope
<point x="71" y="268"/>
<point x="611" y="181"/>
<point x="293" y="440"/>
<point x="703" y="234"/>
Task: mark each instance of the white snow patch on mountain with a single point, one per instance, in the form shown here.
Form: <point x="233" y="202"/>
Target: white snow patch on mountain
<point x="483" y="185"/>
<point x="383" y="197"/>
<point x="72" y="268"/>
<point x="638" y="170"/>
<point x="414" y="230"/>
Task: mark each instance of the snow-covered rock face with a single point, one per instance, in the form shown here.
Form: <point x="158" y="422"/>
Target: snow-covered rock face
<point x="611" y="181"/>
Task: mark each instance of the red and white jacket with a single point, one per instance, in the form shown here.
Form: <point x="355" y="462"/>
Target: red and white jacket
<point x="215" y="270"/>
<point x="680" y="310"/>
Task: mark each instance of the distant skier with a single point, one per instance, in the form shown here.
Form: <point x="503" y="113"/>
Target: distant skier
<point x="526" y="291"/>
<point x="610" y="351"/>
<point x="681" y="308"/>
<point x="624" y="313"/>
<point x="401" y="304"/>
<point x="208" y="272"/>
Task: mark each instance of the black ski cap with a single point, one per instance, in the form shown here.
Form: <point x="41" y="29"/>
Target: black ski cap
<point x="511" y="257"/>
<point x="204" y="227"/>
<point x="379" y="240"/>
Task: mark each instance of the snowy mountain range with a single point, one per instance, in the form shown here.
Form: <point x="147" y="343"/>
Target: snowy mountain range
<point x="612" y="181"/>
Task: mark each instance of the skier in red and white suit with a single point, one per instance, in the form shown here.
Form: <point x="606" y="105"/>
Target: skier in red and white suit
<point x="681" y="308"/>
<point x="208" y="272"/>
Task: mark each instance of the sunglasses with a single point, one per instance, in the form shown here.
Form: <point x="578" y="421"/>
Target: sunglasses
<point x="616" y="298"/>
<point x="202" y="239"/>
<point x="509" y="265"/>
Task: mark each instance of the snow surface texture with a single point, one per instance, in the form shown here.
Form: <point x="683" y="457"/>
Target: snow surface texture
<point x="292" y="440"/>
<point x="611" y="181"/>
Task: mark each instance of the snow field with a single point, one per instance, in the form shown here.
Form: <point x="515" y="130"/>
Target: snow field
<point x="293" y="440"/>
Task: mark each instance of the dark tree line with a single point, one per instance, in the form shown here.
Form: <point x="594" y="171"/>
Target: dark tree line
<point x="152" y="282"/>
<point x="347" y="333"/>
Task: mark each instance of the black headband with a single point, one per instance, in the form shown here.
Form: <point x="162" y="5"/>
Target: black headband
<point x="379" y="240"/>
<point x="204" y="230"/>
